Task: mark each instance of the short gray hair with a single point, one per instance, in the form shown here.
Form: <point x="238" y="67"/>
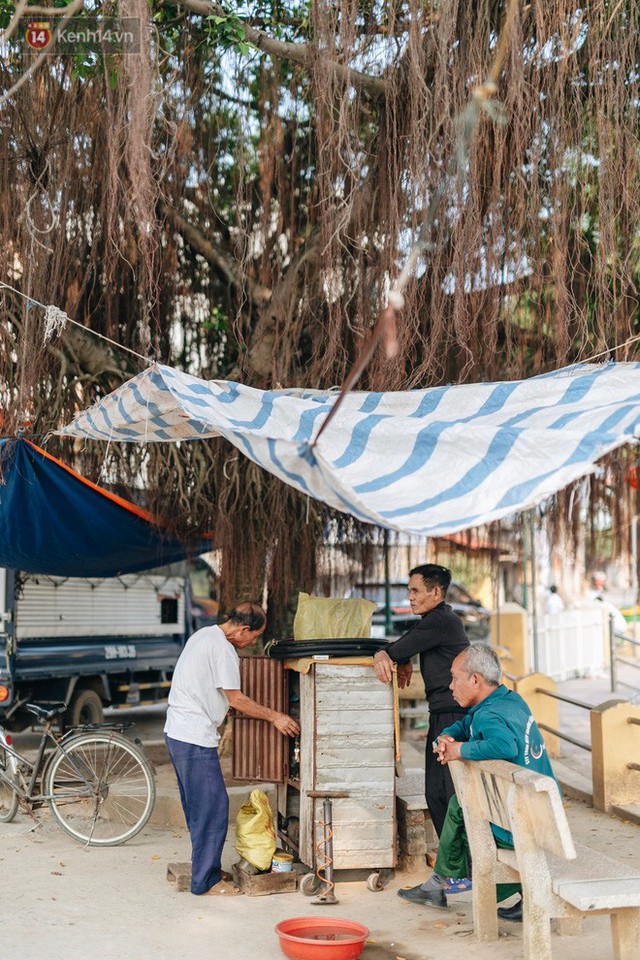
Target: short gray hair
<point x="482" y="659"/>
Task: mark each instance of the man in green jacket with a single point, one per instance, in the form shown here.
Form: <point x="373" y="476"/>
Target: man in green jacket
<point x="498" y="726"/>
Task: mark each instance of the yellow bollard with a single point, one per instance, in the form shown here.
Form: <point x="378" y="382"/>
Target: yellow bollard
<point x="615" y="744"/>
<point x="510" y="638"/>
<point x="543" y="708"/>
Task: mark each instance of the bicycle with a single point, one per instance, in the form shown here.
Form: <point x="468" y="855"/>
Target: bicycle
<point x="97" y="782"/>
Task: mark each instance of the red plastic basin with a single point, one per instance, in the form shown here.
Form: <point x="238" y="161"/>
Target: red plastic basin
<point x="321" y="938"/>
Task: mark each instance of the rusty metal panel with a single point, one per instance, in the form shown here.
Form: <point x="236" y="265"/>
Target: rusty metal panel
<point x="260" y="752"/>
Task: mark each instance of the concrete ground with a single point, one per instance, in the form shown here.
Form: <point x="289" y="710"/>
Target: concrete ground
<point x="63" y="902"/>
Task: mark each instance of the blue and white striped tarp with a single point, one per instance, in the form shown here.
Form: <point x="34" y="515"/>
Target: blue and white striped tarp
<point x="424" y="461"/>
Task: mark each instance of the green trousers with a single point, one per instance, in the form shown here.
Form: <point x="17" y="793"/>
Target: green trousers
<point x="454" y="859"/>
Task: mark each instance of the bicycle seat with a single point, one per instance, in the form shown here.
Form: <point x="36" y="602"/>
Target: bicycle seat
<point x="46" y="713"/>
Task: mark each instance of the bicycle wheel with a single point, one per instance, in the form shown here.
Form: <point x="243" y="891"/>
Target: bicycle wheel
<point x="8" y="796"/>
<point x="102" y="790"/>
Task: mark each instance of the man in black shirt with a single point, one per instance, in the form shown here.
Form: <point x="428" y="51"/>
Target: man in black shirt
<point x="438" y="637"/>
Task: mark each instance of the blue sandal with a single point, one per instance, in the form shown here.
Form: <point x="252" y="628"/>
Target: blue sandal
<point x="454" y="885"/>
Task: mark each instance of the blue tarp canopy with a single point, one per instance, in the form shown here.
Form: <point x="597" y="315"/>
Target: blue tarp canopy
<point x="430" y="462"/>
<point x="54" y="521"/>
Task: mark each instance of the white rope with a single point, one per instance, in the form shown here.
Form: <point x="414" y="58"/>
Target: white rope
<point x="605" y="353"/>
<point x="67" y="319"/>
<point x="55" y="321"/>
<point x="103" y="467"/>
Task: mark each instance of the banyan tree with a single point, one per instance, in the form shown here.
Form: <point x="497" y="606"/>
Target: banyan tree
<point x="236" y="196"/>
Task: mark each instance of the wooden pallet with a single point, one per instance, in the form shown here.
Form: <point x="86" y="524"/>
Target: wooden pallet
<point x="263" y="884"/>
<point x="180" y="875"/>
<point x="258" y="885"/>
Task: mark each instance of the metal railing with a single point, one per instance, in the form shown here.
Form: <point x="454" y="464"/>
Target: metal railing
<point x="633" y="766"/>
<point x="615" y="658"/>
<point x="605" y="781"/>
<point x="558" y="733"/>
<point x="583" y="706"/>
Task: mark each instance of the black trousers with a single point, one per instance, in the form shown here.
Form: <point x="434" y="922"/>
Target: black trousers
<point x="438" y="783"/>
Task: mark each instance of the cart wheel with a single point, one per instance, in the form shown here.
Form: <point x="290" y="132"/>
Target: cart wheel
<point x="310" y="884"/>
<point x="378" y="881"/>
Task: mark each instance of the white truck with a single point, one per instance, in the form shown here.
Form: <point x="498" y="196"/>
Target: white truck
<point x="92" y="642"/>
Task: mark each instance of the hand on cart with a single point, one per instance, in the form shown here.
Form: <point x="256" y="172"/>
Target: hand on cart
<point x="285" y="724"/>
<point x="383" y="666"/>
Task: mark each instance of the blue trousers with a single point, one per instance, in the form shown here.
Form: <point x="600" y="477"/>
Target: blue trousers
<point x="206" y="808"/>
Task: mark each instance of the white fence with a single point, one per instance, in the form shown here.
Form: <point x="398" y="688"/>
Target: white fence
<point x="573" y="643"/>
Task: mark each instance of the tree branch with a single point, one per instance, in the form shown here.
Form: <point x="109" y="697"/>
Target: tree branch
<point x="13" y="23"/>
<point x="286" y="295"/>
<point x="301" y="53"/>
<point x="65" y="14"/>
<point x="224" y="265"/>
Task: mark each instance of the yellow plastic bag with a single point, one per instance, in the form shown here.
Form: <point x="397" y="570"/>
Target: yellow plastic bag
<point x="255" y="835"/>
<point x="325" y="618"/>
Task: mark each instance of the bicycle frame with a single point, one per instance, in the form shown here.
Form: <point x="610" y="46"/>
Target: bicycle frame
<point x="11" y="754"/>
<point x="24" y="790"/>
<point x="97" y="782"/>
<point x="36" y="767"/>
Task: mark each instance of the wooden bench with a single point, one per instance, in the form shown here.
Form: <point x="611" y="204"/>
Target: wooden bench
<point x="560" y="880"/>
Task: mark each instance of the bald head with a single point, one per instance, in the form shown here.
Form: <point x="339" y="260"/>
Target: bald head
<point x="248" y="614"/>
<point x="245" y="624"/>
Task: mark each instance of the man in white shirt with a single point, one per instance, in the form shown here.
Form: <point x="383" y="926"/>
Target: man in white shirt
<point x="206" y="682"/>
